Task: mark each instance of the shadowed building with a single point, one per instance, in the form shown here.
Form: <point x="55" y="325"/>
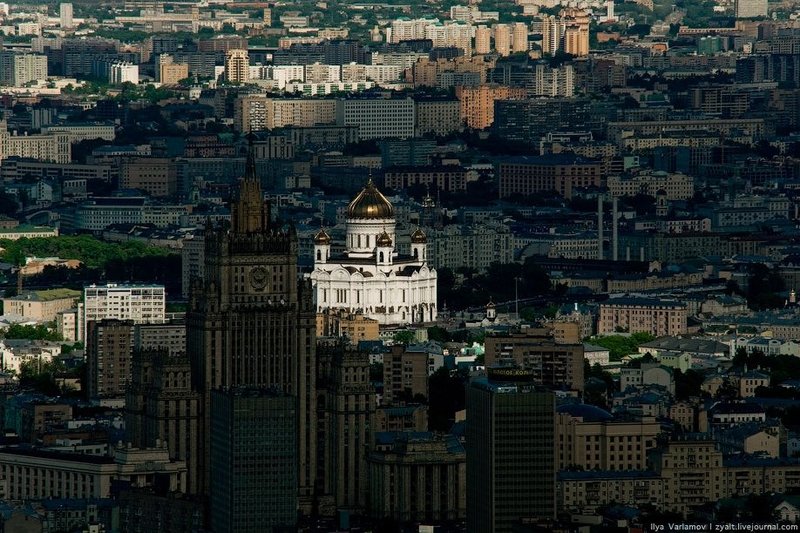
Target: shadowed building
<point x="251" y="321"/>
<point x="510" y="459"/>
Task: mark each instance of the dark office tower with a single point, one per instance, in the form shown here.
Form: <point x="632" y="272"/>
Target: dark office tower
<point x="510" y="456"/>
<point x="253" y="460"/>
<point x="160" y="405"/>
<point x="251" y="321"/>
<point x="345" y="425"/>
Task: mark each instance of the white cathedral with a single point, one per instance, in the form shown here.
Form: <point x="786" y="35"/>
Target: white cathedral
<point x="371" y="277"/>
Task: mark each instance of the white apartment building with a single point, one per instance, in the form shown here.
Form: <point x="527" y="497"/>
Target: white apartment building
<point x="458" y="35"/>
<point x="51" y="147"/>
<point x="377" y="118"/>
<point x="554" y="81"/>
<point x="144" y="304"/>
<point x="120" y="73"/>
<point x="83" y="132"/>
<point x="404" y="29"/>
<point x="18" y="69"/>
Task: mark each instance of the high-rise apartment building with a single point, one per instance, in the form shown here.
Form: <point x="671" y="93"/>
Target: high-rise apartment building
<point x="519" y="37"/>
<point x="502" y="39"/>
<point x="483" y="40"/>
<point x="511" y="473"/>
<point x="17" y="69"/>
<point x="251" y="322"/>
<point x="109" y="345"/>
<point x="553" y="29"/>
<point x="237" y="66"/>
<point x="253" y="460"/>
<point x="405" y="375"/>
<point x="477" y="103"/>
<point x="140" y="303"/>
<point x="65" y="16"/>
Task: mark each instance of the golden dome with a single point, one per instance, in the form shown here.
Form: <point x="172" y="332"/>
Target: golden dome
<point x="370" y="204"/>
<point x="419" y="237"/>
<point x="322" y="237"/>
<point x="384" y="240"/>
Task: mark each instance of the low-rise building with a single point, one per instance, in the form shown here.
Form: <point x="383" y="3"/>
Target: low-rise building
<point x="417" y="477"/>
<point x="41" y="306"/>
<point x="36" y="475"/>
<point x="634" y="315"/>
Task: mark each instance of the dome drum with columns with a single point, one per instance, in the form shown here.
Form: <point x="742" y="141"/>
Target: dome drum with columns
<point x="371" y="277"/>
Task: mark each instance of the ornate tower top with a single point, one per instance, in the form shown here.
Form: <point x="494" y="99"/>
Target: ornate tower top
<point x="370" y="203"/>
<point x="250" y="213"/>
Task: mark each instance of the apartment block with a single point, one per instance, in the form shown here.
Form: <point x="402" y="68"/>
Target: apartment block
<point x="648" y="315"/>
<point x="560" y="173"/>
<point x="536" y="351"/>
<point x="378" y="118"/>
<point x="42" y="306"/>
<point x="256" y="113"/>
<point x="405" y="375"/>
<point x="109" y="348"/>
<point x="477" y="103"/>
<point x="140" y="303"/>
<point x="156" y="176"/>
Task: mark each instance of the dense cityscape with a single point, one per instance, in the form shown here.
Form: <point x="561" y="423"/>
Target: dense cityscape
<point x="458" y="266"/>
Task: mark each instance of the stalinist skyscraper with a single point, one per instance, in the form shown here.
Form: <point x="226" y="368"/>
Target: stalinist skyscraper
<point x="251" y="322"/>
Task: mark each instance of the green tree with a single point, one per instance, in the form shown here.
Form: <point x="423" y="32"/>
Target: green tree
<point x="404" y="337"/>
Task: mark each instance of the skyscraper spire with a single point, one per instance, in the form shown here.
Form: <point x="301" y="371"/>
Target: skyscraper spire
<point x="250" y="165"/>
<point x="250" y="213"/>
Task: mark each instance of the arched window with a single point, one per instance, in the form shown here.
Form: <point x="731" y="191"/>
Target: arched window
<point x="319" y="255"/>
<point x="416" y="254"/>
<point x="381" y="257"/>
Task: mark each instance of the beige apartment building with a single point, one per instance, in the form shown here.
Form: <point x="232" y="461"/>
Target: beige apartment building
<point x="237" y="66"/>
<point x="258" y="112"/>
<point x="169" y="72"/>
<point x="684" y="475"/>
<point x="635" y="315"/>
<point x="42" y="306"/>
<point x="677" y="186"/>
<point x="340" y="323"/>
<point x="553" y="364"/>
<point x="477" y="103"/>
<point x="590" y="438"/>
<point x="405" y="375"/>
<point x="157" y="176"/>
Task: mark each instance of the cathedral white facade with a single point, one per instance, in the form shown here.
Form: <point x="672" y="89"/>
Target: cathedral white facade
<point x="371" y="277"/>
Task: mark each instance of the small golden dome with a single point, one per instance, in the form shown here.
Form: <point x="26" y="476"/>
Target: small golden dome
<point x="419" y="237"/>
<point x="322" y="237"/>
<point x="384" y="240"/>
<point x="370" y="204"/>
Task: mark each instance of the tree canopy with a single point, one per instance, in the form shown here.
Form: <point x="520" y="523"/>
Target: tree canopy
<point x="92" y="252"/>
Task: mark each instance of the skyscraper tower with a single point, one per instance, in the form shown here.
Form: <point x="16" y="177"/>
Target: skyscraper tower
<point x="508" y="482"/>
<point x="251" y="321"/>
